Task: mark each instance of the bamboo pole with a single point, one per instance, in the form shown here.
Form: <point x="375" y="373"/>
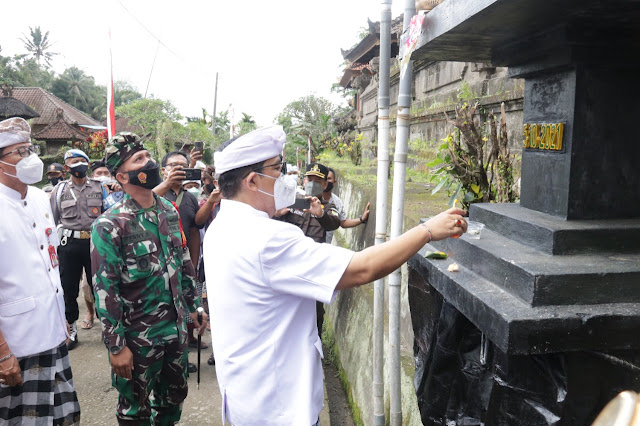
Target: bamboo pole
<point x="381" y="210"/>
<point x="397" y="216"/>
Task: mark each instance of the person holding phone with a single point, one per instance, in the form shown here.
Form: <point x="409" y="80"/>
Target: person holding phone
<point x="316" y="220"/>
<point x="175" y="172"/>
<point x="196" y="154"/>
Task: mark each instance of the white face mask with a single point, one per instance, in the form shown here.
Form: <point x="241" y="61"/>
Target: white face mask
<point x="284" y="191"/>
<point x="28" y="170"/>
<point x="103" y="179"/>
<point x="194" y="191"/>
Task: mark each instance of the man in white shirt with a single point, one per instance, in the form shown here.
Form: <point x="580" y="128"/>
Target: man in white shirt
<point x="36" y="383"/>
<point x="264" y="277"/>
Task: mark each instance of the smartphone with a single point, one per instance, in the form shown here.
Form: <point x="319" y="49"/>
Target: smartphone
<point x="200" y="146"/>
<point x="193" y="174"/>
<point x="301" y="204"/>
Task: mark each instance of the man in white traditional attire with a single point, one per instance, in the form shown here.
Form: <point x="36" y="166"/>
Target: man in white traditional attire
<point x="265" y="278"/>
<point x="36" y="384"/>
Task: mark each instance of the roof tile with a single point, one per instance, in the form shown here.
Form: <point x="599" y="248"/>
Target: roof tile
<point x="46" y="104"/>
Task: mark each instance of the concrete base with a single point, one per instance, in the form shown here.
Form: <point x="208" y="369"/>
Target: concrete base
<point x="528" y="300"/>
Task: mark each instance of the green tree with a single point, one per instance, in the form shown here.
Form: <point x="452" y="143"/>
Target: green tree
<point x="38" y="45"/>
<point x="123" y="93"/>
<point x="30" y="74"/>
<point x="80" y="90"/>
<point x="78" y="84"/>
<point x="149" y="114"/>
<point x="223" y="123"/>
<point x="310" y="116"/>
<point x="246" y="124"/>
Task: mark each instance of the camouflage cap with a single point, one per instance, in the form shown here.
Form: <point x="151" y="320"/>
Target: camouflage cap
<point x="120" y="148"/>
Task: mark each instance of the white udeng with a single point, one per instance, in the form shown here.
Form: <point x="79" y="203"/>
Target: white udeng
<point x="263" y="278"/>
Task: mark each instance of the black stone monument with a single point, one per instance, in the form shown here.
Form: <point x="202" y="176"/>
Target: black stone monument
<point x="541" y="324"/>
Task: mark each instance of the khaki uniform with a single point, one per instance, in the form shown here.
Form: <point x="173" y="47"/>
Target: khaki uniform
<point x="315" y="227"/>
<point x="75" y="208"/>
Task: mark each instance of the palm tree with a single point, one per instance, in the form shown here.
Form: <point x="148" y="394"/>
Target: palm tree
<point x="38" y="45"/>
<point x="247" y="124"/>
<point x="79" y="84"/>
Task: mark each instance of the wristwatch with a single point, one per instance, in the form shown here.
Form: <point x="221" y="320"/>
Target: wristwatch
<point x="115" y="350"/>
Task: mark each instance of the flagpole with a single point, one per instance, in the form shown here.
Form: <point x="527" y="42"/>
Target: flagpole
<point x="111" y="110"/>
<point x="231" y="125"/>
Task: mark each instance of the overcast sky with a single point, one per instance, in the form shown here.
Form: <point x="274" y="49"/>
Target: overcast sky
<point x="267" y="53"/>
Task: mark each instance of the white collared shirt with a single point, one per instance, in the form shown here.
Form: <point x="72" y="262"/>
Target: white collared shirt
<point x="32" y="316"/>
<point x="264" y="277"/>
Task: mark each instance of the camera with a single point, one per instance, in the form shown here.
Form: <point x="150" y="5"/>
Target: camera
<point x="199" y="146"/>
<point x="192" y="174"/>
<point x="301" y="204"/>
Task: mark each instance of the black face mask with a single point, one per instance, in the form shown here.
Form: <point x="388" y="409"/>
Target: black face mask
<point x="54" y="181"/>
<point x="79" y="170"/>
<point x="329" y="187"/>
<point x="209" y="188"/>
<point x="147" y="176"/>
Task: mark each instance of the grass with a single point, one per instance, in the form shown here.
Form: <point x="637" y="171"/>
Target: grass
<point x="419" y="202"/>
<point x="333" y="356"/>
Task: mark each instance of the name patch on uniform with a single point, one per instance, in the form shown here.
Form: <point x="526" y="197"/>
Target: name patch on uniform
<point x="173" y="228"/>
<point x="95" y="195"/>
<point x="137" y="237"/>
<point x="143" y="264"/>
<point x="172" y="218"/>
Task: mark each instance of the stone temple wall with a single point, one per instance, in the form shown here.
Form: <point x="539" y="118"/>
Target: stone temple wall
<point x="437" y="88"/>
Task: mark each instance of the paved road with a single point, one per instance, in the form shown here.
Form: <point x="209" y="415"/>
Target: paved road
<point x="92" y="379"/>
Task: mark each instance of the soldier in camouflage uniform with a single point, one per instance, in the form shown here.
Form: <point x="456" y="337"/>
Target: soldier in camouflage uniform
<point x="144" y="284"/>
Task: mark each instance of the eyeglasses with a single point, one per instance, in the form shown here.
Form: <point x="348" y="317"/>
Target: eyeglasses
<point x="282" y="167"/>
<point x="24" y="151"/>
<point x="172" y="165"/>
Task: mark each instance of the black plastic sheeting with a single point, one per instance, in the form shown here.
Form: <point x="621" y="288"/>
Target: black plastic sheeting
<point x="461" y="378"/>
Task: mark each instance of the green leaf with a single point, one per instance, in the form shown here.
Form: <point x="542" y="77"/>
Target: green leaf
<point x="444" y="146"/>
<point x="454" y="196"/>
<point x="475" y="188"/>
<point x="439" y="187"/>
<point x="434" y="162"/>
<point x="469" y="197"/>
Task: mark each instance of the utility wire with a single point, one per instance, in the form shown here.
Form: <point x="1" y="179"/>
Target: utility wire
<point x="150" y="33"/>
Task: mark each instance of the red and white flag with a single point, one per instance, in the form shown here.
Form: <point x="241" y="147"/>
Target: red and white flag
<point x="111" y="108"/>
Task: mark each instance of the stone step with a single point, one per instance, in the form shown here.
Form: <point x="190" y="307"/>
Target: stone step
<point x="554" y="235"/>
<point x="540" y="279"/>
<point x="519" y="328"/>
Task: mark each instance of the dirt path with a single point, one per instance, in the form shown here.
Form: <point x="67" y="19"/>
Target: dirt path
<point x="339" y="411"/>
<point x="92" y="379"/>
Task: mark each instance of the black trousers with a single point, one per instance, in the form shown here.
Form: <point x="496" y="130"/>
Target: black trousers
<point x="319" y="317"/>
<point x="73" y="258"/>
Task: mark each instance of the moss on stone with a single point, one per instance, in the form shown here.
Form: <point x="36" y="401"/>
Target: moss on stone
<point x="333" y="356"/>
